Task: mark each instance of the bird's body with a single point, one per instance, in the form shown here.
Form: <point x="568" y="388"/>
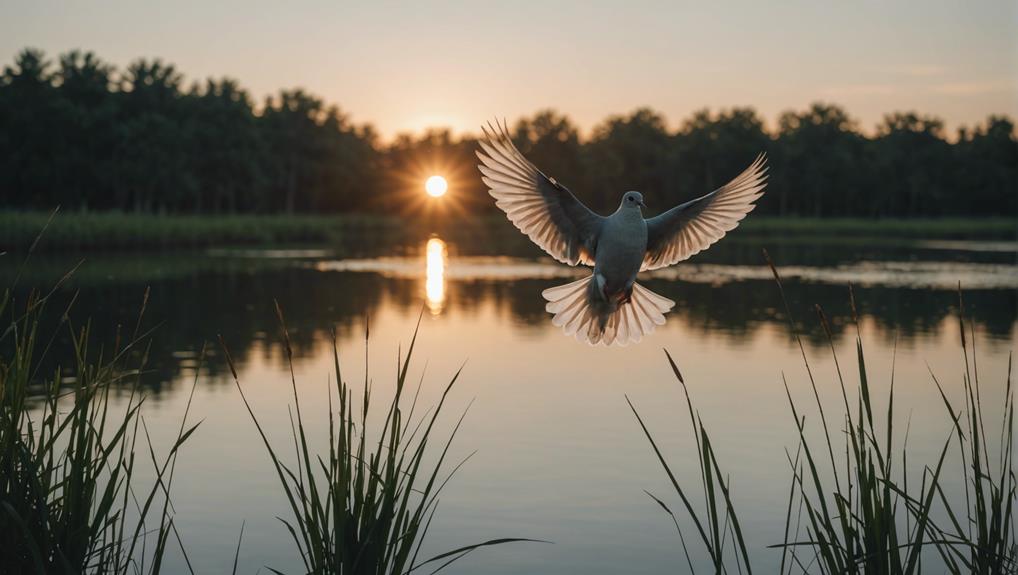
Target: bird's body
<point x="617" y="263"/>
<point x="609" y="306"/>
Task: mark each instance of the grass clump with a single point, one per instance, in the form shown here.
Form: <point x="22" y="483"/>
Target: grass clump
<point x="979" y="537"/>
<point x="856" y="518"/>
<point x="69" y="502"/>
<point x="873" y="519"/>
<point x="852" y="507"/>
<point x="365" y="506"/>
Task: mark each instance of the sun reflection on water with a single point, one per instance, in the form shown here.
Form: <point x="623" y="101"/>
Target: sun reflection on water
<point x="437" y="258"/>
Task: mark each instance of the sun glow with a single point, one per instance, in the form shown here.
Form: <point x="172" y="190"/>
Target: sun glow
<point x="434" y="282"/>
<point x="436" y="186"/>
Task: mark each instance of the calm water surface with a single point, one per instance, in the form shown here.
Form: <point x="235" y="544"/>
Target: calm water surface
<point x="559" y="455"/>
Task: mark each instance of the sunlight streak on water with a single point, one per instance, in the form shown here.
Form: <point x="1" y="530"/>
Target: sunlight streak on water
<point x="437" y="258"/>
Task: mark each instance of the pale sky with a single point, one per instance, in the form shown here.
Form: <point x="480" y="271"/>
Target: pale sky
<point x="404" y="66"/>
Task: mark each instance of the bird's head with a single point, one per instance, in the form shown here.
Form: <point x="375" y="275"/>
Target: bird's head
<point x="632" y="200"/>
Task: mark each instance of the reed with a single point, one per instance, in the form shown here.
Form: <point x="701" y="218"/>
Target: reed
<point x="81" y="231"/>
<point x="717" y="523"/>
<point x="69" y="502"/>
<point x="365" y="506"/>
<point x="125" y="231"/>
<point x="855" y="519"/>
<point x="852" y="507"/>
<point x="979" y="536"/>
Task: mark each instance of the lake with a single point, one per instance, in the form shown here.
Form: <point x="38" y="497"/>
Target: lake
<point x="559" y="455"/>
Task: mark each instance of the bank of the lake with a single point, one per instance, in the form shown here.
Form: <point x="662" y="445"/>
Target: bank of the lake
<point x="77" y="231"/>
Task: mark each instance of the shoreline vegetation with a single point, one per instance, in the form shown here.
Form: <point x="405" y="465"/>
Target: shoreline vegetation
<point x="119" y="231"/>
<point x="71" y="453"/>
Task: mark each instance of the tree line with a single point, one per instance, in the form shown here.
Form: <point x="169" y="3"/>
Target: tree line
<point x="80" y="133"/>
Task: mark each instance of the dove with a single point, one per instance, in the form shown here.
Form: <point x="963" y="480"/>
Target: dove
<point x="608" y="307"/>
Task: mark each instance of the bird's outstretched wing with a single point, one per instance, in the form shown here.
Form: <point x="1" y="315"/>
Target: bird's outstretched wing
<point x="692" y="227"/>
<point x="538" y="205"/>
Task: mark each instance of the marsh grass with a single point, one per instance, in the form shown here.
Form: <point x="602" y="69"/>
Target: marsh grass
<point x="868" y="517"/>
<point x="852" y="507"/>
<point x="854" y="519"/>
<point x="69" y="502"/>
<point x="130" y="231"/>
<point x="80" y="231"/>
<point x="717" y="524"/>
<point x="979" y="537"/>
<point x="365" y="506"/>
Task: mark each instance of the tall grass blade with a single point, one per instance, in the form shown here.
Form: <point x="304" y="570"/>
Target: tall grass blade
<point x="718" y="518"/>
<point x="366" y="503"/>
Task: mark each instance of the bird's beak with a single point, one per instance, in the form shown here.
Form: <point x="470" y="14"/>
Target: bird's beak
<point x="641" y="204"/>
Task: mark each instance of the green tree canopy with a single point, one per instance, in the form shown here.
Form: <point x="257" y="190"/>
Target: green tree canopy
<point x="82" y="134"/>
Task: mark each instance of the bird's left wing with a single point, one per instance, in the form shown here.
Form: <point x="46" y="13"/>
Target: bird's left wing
<point x="539" y="206"/>
<point x="692" y="227"/>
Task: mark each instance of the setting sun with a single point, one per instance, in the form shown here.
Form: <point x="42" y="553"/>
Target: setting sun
<point x="436" y="186"/>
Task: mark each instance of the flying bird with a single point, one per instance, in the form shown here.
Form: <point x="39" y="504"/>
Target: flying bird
<point x="609" y="307"/>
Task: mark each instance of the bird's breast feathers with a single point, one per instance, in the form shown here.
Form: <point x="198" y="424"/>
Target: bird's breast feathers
<point x="626" y="229"/>
<point x="622" y="244"/>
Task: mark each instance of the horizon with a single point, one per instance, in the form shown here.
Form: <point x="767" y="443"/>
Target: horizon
<point x="956" y="63"/>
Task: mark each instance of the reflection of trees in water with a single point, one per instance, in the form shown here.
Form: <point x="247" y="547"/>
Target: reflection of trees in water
<point x="740" y="308"/>
<point x="494" y="236"/>
<point x="832" y="250"/>
<point x="238" y="304"/>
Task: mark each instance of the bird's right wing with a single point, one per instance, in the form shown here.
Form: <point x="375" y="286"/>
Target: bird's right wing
<point x="538" y="205"/>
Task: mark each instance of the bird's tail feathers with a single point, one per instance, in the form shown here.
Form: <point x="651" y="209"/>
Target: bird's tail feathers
<point x="580" y="313"/>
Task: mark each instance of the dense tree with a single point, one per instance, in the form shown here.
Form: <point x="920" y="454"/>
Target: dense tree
<point x="912" y="158"/>
<point x="819" y="160"/>
<point x="85" y="114"/>
<point x="292" y="120"/>
<point x="553" y="138"/>
<point x="346" y="180"/>
<point x="82" y="134"/>
<point x="29" y="135"/>
<point x="987" y="168"/>
<point x="154" y="143"/>
<point x="631" y="152"/>
<point x="711" y="148"/>
<point x="229" y="152"/>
